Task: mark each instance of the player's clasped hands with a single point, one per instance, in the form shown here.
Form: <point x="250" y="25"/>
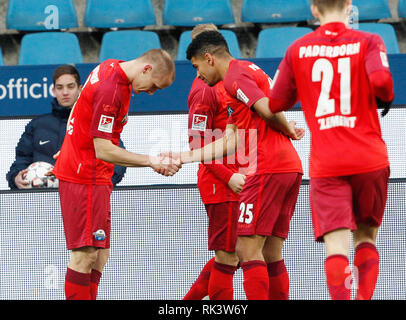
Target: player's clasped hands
<point x="165" y="164"/>
<point x="237" y="182"/>
<point x="295" y="133"/>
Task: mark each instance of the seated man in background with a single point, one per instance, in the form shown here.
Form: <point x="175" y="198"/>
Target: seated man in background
<point x="43" y="136"/>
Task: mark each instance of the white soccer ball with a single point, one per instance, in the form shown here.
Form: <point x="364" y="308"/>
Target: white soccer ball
<point x="37" y="178"/>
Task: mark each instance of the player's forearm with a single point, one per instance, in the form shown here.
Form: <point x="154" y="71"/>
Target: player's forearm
<point x="107" y="151"/>
<point x="382" y="84"/>
<point x="215" y="150"/>
<point x="279" y="123"/>
<point x="276" y="120"/>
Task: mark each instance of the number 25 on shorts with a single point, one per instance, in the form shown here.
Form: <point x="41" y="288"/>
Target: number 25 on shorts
<point x="246" y="213"/>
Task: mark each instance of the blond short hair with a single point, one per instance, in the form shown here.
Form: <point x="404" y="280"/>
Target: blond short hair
<point x="203" y="27"/>
<point x="162" y="60"/>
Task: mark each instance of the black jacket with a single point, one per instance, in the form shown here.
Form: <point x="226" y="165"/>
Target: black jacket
<point x="42" y="138"/>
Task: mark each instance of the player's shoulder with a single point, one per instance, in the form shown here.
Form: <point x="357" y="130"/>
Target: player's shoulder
<point x="110" y="63"/>
<point x="237" y="66"/>
<point x="366" y="35"/>
<point x="236" y="70"/>
<point x="309" y="37"/>
<point x="197" y="85"/>
<point x="108" y="68"/>
<point x="201" y="93"/>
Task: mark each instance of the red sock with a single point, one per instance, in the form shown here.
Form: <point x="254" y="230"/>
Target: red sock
<point x="278" y="281"/>
<point x="221" y="282"/>
<point x="256" y="280"/>
<point x="77" y="285"/>
<point x="336" y="268"/>
<point x="367" y="262"/>
<point x="95" y="276"/>
<point x="200" y="288"/>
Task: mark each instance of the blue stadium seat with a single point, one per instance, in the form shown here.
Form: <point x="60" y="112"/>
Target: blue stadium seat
<point x="387" y="33"/>
<point x="231" y="38"/>
<point x="50" y="48"/>
<point x="127" y="44"/>
<point x="402" y="8"/>
<point x="372" y="9"/>
<point x="273" y="42"/>
<point x="275" y="11"/>
<point x="191" y="12"/>
<point x="41" y="15"/>
<point x="119" y="14"/>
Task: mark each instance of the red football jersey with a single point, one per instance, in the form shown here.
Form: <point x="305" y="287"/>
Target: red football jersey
<point x="268" y="150"/>
<point x="328" y="71"/>
<point x="101" y="111"/>
<point x="207" y="122"/>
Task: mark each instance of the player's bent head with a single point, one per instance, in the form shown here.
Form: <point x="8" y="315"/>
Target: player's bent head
<point x="199" y="28"/>
<point x="324" y="6"/>
<point x="211" y="42"/>
<point x="163" y="66"/>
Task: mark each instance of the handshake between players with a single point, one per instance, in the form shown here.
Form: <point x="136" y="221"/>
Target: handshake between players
<point x="168" y="163"/>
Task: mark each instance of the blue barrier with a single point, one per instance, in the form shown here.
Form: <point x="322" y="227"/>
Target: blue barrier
<point x="27" y="90"/>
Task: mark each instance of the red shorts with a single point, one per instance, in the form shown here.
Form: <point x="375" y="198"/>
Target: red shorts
<point x="86" y="214"/>
<point x="267" y="203"/>
<point x="222" y="233"/>
<point x="345" y="202"/>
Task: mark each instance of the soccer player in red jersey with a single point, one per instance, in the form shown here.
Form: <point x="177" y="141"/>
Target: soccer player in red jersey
<point x="274" y="171"/>
<point x="339" y="75"/>
<point x="85" y="162"/>
<point x="219" y="184"/>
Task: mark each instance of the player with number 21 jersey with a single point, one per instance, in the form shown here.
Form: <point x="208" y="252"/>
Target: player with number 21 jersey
<point x="329" y="71"/>
<point x="339" y="74"/>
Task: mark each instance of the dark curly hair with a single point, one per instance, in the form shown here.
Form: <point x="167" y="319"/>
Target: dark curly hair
<point x="207" y="42"/>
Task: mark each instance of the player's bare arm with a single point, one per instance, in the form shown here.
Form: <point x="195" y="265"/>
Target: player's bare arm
<point x="277" y="120"/>
<point x="107" y="151"/>
<point x="215" y="150"/>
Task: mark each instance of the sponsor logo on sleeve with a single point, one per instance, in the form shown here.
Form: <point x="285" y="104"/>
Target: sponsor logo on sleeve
<point x="242" y="97"/>
<point x="106" y="124"/>
<point x="384" y="59"/>
<point x="199" y="122"/>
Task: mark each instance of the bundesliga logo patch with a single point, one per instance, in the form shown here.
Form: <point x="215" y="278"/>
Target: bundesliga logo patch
<point x="106" y="124"/>
<point x="199" y="122"/>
